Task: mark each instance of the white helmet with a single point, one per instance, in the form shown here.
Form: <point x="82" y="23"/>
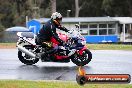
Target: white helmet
<point x="56" y="16"/>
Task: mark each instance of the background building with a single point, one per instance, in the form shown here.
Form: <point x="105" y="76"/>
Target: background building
<point x="95" y="29"/>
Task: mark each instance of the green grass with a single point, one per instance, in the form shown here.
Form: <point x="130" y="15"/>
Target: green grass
<point x="109" y="47"/>
<point x="55" y="84"/>
<point x="8" y="44"/>
<point x="90" y="46"/>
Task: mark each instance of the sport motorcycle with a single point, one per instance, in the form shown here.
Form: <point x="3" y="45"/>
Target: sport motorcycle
<point x="74" y="50"/>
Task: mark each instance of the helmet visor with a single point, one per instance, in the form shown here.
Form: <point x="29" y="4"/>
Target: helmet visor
<point x="59" y="20"/>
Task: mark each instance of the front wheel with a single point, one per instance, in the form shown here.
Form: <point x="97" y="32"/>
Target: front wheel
<point x="81" y="60"/>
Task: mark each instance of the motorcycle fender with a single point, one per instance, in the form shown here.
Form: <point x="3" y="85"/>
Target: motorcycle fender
<point x="81" y="50"/>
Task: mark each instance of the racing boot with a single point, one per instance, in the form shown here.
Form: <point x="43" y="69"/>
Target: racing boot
<point x="45" y="56"/>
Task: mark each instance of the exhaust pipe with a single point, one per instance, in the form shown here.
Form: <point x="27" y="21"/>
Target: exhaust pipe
<point x="24" y="50"/>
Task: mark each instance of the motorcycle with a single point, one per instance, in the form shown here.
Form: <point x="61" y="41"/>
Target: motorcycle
<point x="75" y="49"/>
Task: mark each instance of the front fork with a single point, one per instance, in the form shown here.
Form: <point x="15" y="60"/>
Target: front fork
<point x="80" y="52"/>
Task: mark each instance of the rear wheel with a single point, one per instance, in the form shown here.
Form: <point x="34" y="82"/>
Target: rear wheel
<point x="24" y="58"/>
<point x="81" y="60"/>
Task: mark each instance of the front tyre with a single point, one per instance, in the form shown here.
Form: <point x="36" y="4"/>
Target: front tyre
<point x="81" y="60"/>
<point x="27" y="59"/>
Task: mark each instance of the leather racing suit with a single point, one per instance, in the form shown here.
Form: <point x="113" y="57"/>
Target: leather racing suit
<point x="48" y="31"/>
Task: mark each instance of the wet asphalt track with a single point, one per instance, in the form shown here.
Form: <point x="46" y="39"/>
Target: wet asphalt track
<point x="103" y="62"/>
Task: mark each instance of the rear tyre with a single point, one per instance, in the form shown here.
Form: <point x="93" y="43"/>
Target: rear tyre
<point x="81" y="60"/>
<point x="24" y="58"/>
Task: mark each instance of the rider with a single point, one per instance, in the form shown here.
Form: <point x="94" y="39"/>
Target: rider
<point x="48" y="32"/>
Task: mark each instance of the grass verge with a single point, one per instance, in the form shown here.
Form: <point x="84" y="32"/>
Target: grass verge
<point x="55" y="84"/>
<point x="109" y="47"/>
<point x="90" y="46"/>
<point x="7" y="45"/>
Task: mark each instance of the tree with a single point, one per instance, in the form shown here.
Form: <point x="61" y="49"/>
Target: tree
<point x="53" y="6"/>
<point x="63" y="5"/>
<point x="13" y="12"/>
<point x="116" y="7"/>
<point x="129" y="4"/>
<point x="78" y="8"/>
<point x="6" y="13"/>
<point x="107" y="7"/>
<point x="45" y="8"/>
